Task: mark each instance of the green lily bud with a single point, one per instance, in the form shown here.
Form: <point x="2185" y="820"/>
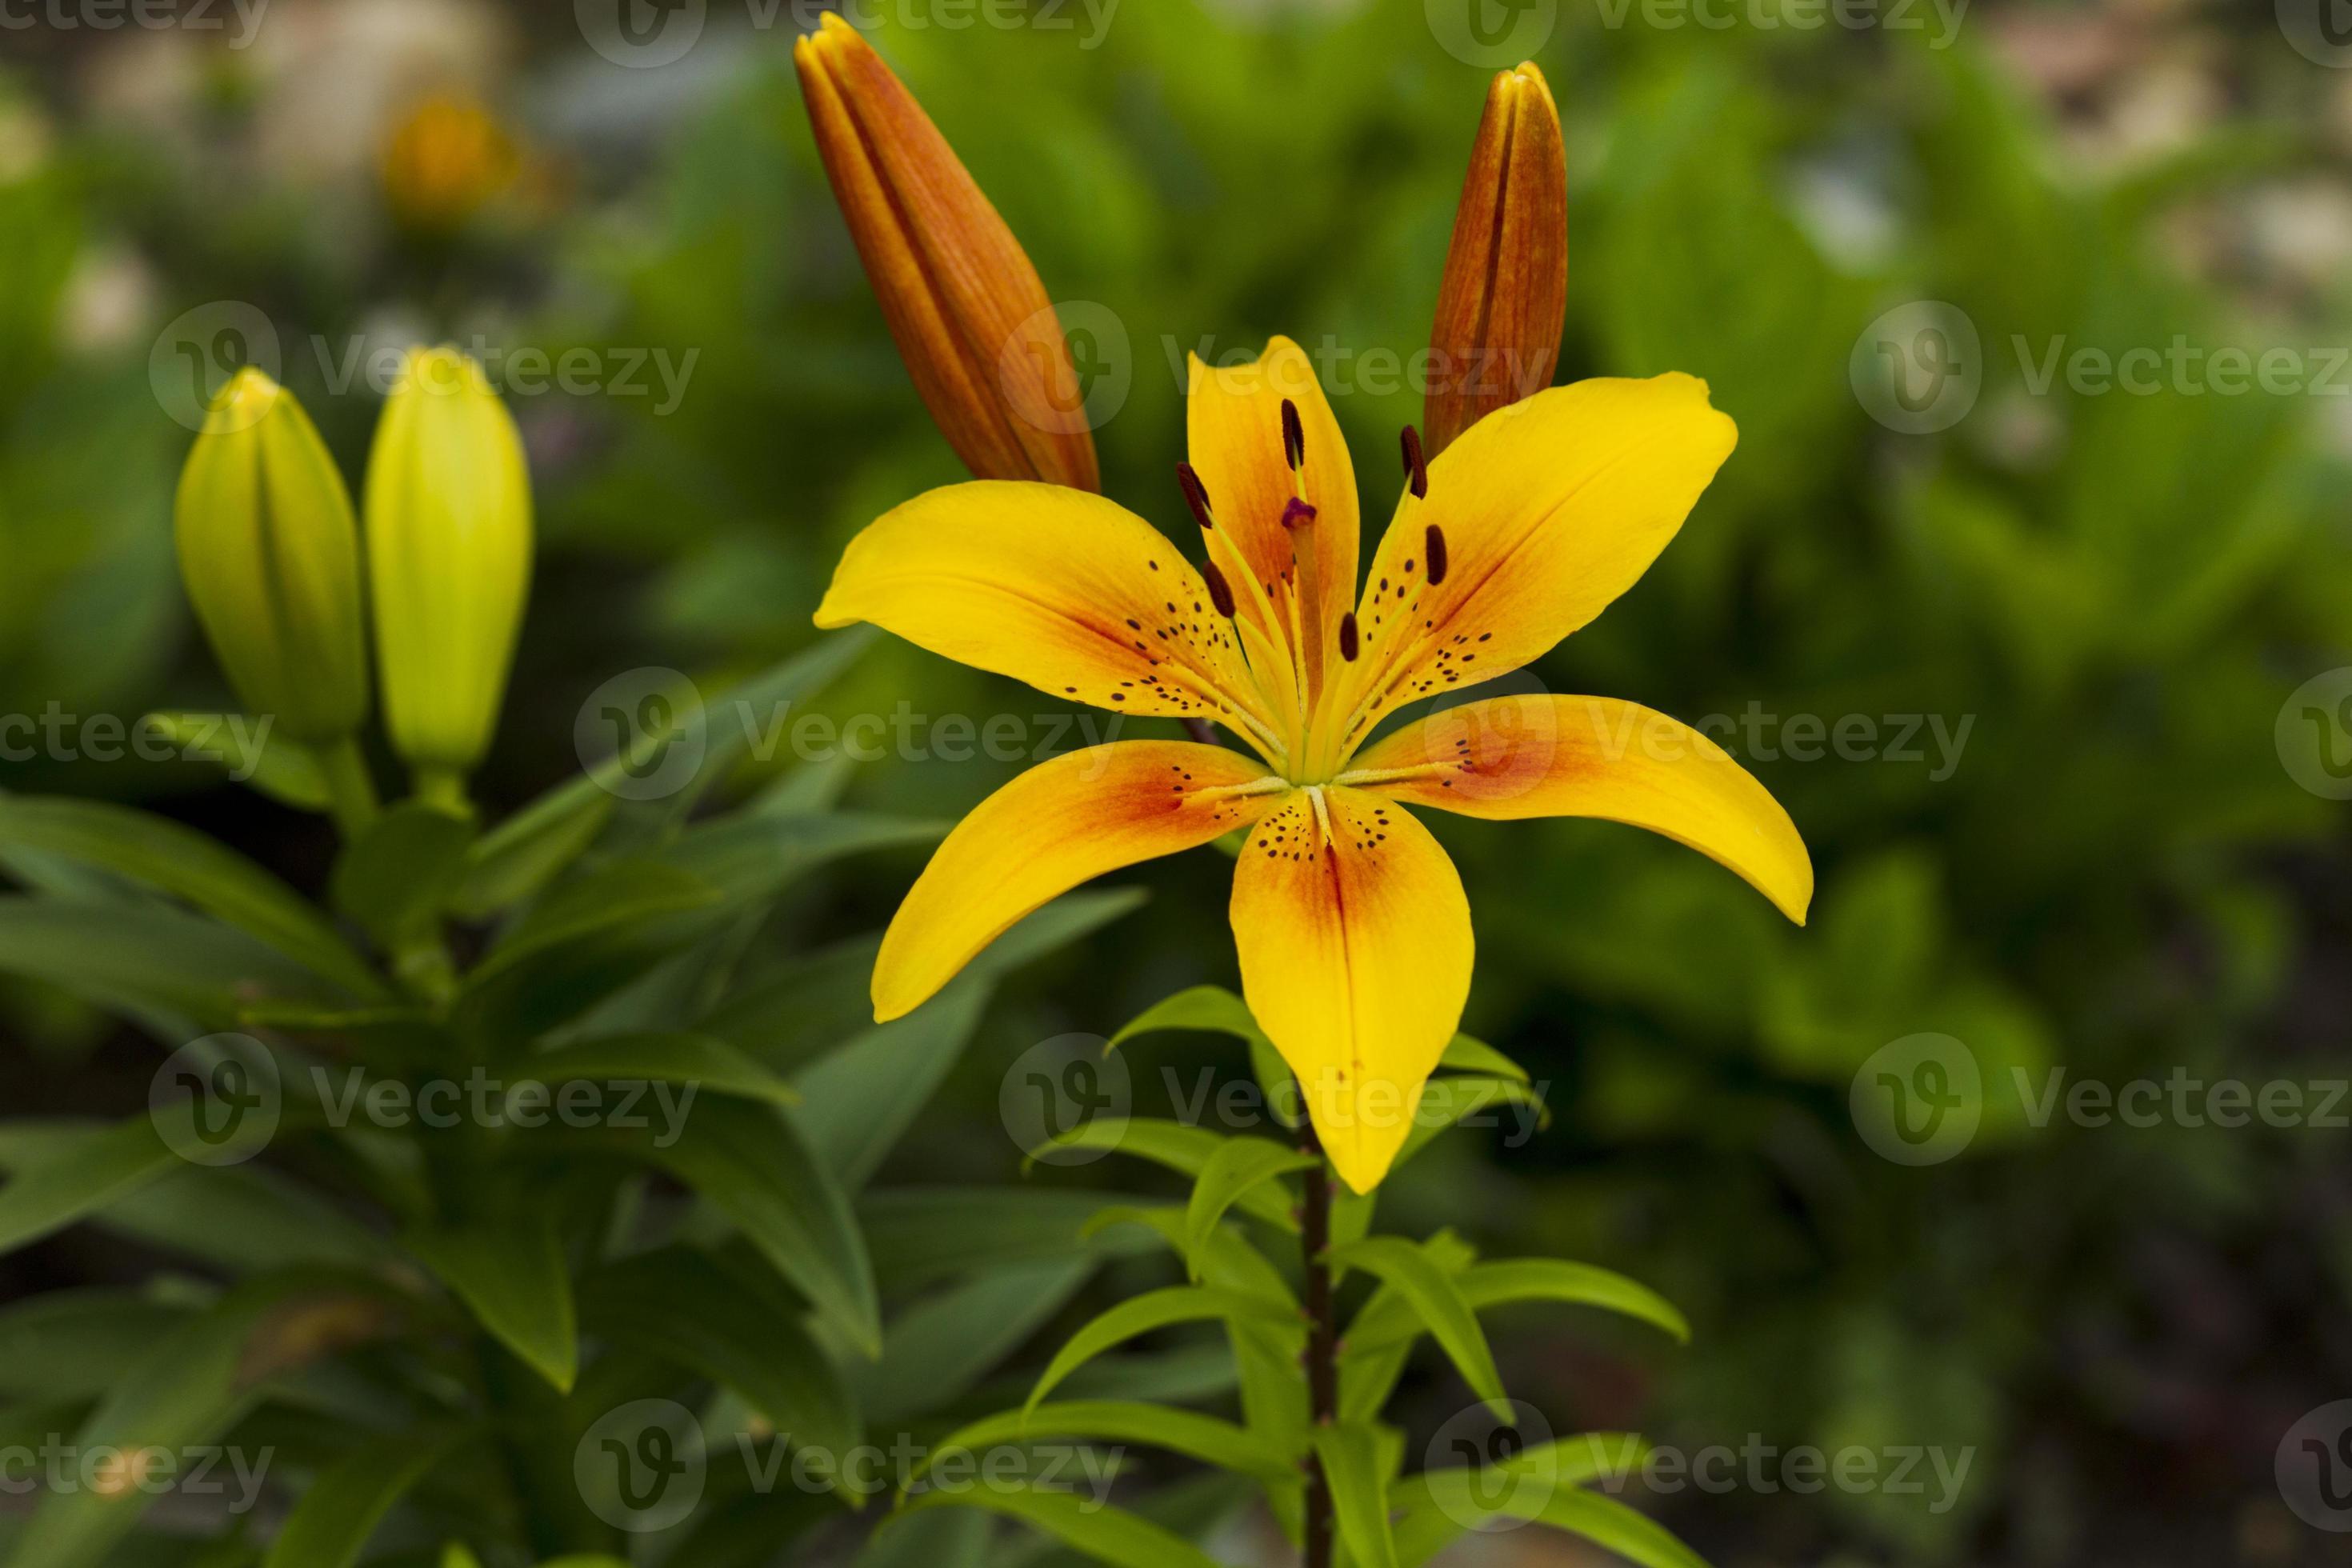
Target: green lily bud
<point x="449" y="539"/>
<point x="271" y="560"/>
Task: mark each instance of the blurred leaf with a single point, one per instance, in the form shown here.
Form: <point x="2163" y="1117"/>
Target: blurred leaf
<point x="187" y="865"/>
<point x="511" y="1272"/>
<point x="1143" y="1314"/>
<point x="698" y="1061"/>
<point x="1107" y="1535"/>
<point x="937" y="1349"/>
<point x="331" y="1526"/>
<point x="1203" y="1437"/>
<point x="284" y="770"/>
<point x="1352" y="1456"/>
<point x="398" y="875"/>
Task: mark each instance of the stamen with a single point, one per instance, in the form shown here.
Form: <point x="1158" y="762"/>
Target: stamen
<point x="1293" y="437"/>
<point x="1298" y="513"/>
<point x="1348" y="636"/>
<point x="1220" y="593"/>
<point x="1436" y="543"/>
<point x="1415" y="469"/>
<point x="1196" y="494"/>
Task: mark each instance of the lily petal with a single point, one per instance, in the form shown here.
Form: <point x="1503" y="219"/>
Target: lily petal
<point x="1060" y="824"/>
<point x="1234" y="428"/>
<point x="1355" y="954"/>
<point x="1594" y="756"/>
<point x="1544" y="511"/>
<point x="1057" y="587"/>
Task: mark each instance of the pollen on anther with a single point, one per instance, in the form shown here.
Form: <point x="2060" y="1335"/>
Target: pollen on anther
<point x="1196" y="494"/>
<point x="1416" y="468"/>
<point x="1220" y="593"/>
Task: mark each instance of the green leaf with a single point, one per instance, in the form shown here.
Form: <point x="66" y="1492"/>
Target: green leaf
<point x="396" y="876"/>
<point x="529" y="849"/>
<point x="139" y="961"/>
<point x="285" y="770"/>
<point x="1211" y="1009"/>
<point x="1367" y="1377"/>
<point x="1153" y="1311"/>
<point x="936" y="1350"/>
<point x="1178" y="1147"/>
<point x="93" y="1169"/>
<point x="1391" y="1320"/>
<point x="922" y="1235"/>
<point x="623" y="893"/>
<point x="941" y="1539"/>
<point x="1615" y="1527"/>
<point x="188" y="865"/>
<point x="1449" y="1102"/>
<point x="752" y="1163"/>
<point x="1108" y="1535"/>
<point x="1437" y="1297"/>
<point x="330" y="1527"/>
<point x="697" y="1060"/>
<point x="743" y="707"/>
<point x="1465" y="1054"/>
<point x="1436" y="1507"/>
<point x="859" y="1101"/>
<point x="731" y="1325"/>
<point x="1238" y="1167"/>
<point x="73" y="1344"/>
<point x="1354" y="1455"/>
<point x="1207" y="1438"/>
<point x="512" y="1276"/>
<point x="752" y="857"/>
<point x="189" y="1388"/>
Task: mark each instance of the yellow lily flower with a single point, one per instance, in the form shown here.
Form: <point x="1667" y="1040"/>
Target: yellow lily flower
<point x="1353" y="930"/>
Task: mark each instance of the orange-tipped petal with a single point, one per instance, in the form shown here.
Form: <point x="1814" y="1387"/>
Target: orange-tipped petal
<point x="1499" y="310"/>
<point x="970" y="316"/>
<point x="1513" y="757"/>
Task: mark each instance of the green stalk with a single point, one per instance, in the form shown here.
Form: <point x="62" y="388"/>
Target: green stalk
<point x="1322" y="1342"/>
<point x="350" y="794"/>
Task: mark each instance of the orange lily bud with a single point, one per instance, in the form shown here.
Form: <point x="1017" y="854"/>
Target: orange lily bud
<point x="1499" y="310"/>
<point x="969" y="313"/>
<point x="443" y="163"/>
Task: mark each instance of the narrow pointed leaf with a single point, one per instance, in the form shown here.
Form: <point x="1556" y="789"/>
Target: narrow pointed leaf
<point x="1436" y="1297"/>
<point x="1391" y="1322"/>
<point x="1144" y="1314"/>
<point x="1239" y="1167"/>
<point x="1207" y="1438"/>
<point x="1186" y="1150"/>
<point x="513" y="1278"/>
<point x="1108" y="1535"/>
<point x="1352" y="1455"/>
<point x="344" y="1503"/>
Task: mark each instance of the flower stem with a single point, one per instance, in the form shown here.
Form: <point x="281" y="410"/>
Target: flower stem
<point x="1322" y="1342"/>
<point x="350" y="794"/>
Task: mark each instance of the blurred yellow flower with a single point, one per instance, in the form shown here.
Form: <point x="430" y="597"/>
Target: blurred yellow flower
<point x="444" y="162"/>
<point x="969" y="314"/>
<point x="1353" y="930"/>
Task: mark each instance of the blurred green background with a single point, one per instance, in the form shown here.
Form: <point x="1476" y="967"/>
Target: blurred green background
<point x="2077" y="822"/>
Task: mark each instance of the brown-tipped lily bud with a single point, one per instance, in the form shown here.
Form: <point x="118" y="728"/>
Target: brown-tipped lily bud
<point x="970" y="316"/>
<point x="1505" y="291"/>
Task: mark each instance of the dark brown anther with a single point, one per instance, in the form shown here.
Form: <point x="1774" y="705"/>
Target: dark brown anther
<point x="1293" y="437"/>
<point x="1220" y="593"/>
<point x="1436" y="542"/>
<point x="1196" y="494"/>
<point x="1348" y="644"/>
<point x="1415" y="470"/>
